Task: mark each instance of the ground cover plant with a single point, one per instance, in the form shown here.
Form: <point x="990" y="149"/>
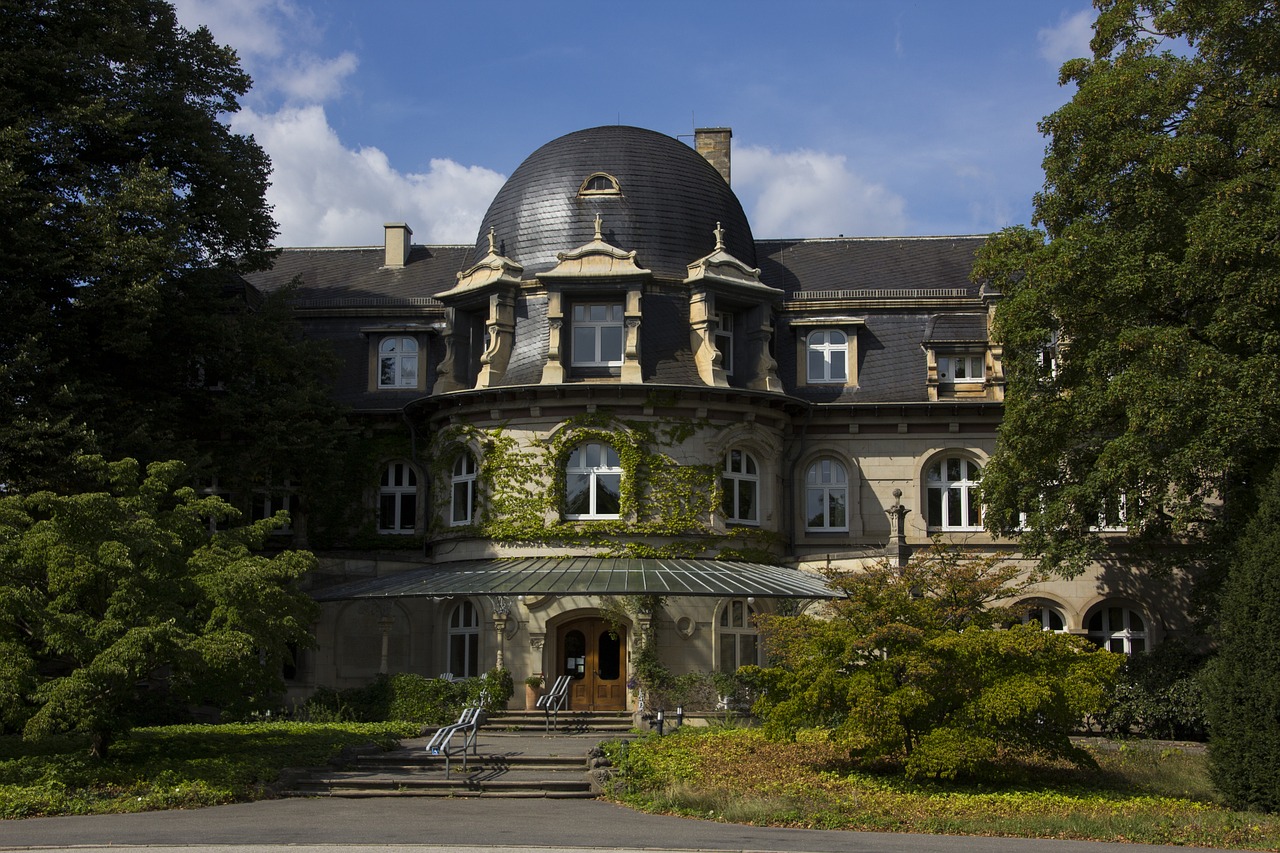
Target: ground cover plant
<point x="171" y="766"/>
<point x="1139" y="792"/>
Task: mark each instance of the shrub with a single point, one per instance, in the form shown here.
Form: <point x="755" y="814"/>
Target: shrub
<point x="1159" y="695"/>
<point x="408" y="697"/>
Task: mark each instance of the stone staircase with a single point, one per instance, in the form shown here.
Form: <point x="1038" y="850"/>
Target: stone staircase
<point x="609" y="723"/>
<point x="515" y="757"/>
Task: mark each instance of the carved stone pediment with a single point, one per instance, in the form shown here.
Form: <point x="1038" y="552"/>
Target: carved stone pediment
<point x="492" y="269"/>
<point x="722" y="268"/>
<point x="596" y="259"/>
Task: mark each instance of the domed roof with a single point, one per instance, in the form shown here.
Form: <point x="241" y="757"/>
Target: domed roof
<point x="667" y="202"/>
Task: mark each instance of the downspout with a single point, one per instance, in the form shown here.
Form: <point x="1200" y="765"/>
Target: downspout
<point x="789" y="486"/>
<point x="426" y="480"/>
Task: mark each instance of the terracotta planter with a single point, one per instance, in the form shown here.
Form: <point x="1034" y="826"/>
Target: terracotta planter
<point x="531" y="695"/>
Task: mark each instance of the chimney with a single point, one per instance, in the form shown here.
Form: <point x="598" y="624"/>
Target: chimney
<point x="399" y="236"/>
<point x="713" y="143"/>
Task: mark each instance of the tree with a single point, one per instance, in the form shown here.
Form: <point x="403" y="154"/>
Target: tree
<point x="1243" y="680"/>
<point x="104" y="592"/>
<point x="1141" y="326"/>
<point x="128" y="211"/>
<point x="908" y="668"/>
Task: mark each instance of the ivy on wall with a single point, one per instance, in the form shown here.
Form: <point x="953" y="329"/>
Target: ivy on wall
<point x="522" y="487"/>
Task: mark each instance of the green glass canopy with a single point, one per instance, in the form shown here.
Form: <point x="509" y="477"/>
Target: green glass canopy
<point x="588" y="576"/>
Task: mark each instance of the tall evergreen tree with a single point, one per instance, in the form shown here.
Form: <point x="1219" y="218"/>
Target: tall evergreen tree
<point x="1141" y="325"/>
<point x="1243" y="681"/>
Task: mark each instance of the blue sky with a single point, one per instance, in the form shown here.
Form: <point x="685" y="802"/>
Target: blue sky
<point x="859" y="118"/>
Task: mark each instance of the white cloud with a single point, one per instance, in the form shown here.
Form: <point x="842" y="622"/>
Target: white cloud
<point x="253" y="27"/>
<point x="310" y="79"/>
<point x="325" y="194"/>
<point x="1069" y="39"/>
<point x="812" y="193"/>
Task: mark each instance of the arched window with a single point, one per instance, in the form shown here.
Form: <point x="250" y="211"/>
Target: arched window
<point x="463" y="482"/>
<point x="398" y="499"/>
<point x="1046" y="616"/>
<point x="398" y="363"/>
<point x="464" y="641"/>
<point x="593" y="482"/>
<point x="739" y="640"/>
<point x="600" y="183"/>
<point x="828" y="356"/>
<point x="952" y="494"/>
<point x="740" y="485"/>
<point x="1118" y="629"/>
<point x="826" y="496"/>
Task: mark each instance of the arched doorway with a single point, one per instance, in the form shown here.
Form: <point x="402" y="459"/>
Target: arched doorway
<point x="595" y="655"/>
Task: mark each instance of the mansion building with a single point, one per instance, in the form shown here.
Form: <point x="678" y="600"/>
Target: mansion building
<point x="619" y="414"/>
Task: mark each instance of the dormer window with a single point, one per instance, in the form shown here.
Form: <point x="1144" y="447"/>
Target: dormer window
<point x="960" y="369"/>
<point x="600" y="184"/>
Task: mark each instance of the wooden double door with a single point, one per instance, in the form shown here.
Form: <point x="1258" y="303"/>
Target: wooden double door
<point x="596" y="656"/>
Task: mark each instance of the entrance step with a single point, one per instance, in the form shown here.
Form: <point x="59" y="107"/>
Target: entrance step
<point x="573" y="722"/>
<point x="505" y="764"/>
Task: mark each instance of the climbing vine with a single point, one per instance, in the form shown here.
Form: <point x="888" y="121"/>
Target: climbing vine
<point x="522" y="486"/>
<point x="648" y="673"/>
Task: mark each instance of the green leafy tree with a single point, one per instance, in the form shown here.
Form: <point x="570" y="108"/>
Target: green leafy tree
<point x="908" y="669"/>
<point x="104" y="592"/>
<point x="1140" y="323"/>
<point x="1243" y="681"/>
<point x="128" y="211"/>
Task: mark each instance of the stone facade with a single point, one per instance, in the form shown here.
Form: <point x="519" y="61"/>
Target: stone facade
<point x="618" y="370"/>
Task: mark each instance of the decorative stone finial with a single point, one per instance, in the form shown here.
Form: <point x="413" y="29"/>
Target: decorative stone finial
<point x="598" y="228"/>
<point x="493" y="241"/>
<point x="719" y="232"/>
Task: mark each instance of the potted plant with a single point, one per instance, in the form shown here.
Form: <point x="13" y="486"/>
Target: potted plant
<point x="532" y="690"/>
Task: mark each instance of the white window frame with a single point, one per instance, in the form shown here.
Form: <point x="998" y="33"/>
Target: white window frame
<point x="398" y="365"/>
<point x="1124" y="637"/>
<point x="577" y="465"/>
<point x="740" y="471"/>
<point x="832" y="347"/>
<point x="267" y="502"/>
<point x="1046" y="615"/>
<point x="464" y="640"/>
<point x="1113" y="516"/>
<point x="615" y="318"/>
<point x="738" y="636"/>
<point x="724" y="340"/>
<point x="826" y="478"/>
<point x="398" y="491"/>
<point x="212" y="488"/>
<point x="962" y="369"/>
<point x="463" y="478"/>
<point x="939" y="480"/>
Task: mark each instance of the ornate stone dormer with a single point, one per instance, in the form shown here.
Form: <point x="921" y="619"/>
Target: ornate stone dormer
<point x="495" y="279"/>
<point x="721" y="286"/>
<point x="490" y="270"/>
<point x="594" y="271"/>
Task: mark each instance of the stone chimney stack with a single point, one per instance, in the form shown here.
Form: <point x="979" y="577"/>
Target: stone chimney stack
<point x="399" y="236"/>
<point x="713" y="143"/>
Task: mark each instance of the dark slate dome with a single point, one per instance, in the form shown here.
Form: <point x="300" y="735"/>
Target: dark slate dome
<point x="669" y="202"/>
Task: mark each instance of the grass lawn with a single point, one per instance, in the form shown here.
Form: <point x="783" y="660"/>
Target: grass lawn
<point x="1141" y="792"/>
<point x="170" y="767"/>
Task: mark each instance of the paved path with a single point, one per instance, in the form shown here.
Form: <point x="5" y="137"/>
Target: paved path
<point x="430" y="825"/>
<point x="460" y="824"/>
